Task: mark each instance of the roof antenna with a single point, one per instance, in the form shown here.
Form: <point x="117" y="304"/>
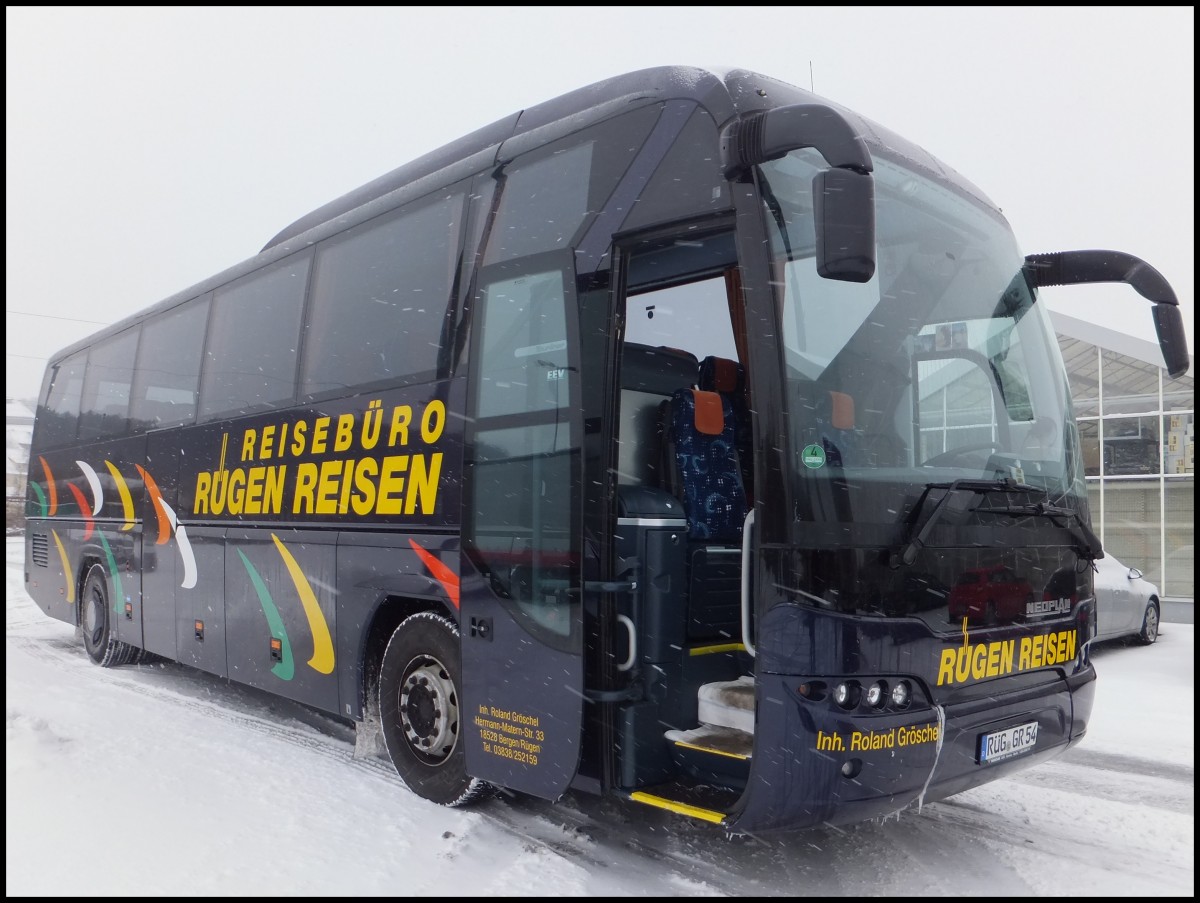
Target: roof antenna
<point x="810" y="78"/>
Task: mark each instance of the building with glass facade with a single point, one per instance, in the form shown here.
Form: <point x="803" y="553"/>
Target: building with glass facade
<point x="1138" y="431"/>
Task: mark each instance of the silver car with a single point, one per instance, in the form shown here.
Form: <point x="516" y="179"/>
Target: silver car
<point x="1126" y="602"/>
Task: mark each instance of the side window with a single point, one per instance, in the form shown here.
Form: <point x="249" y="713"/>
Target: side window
<point x="692" y="317"/>
<point x="550" y="194"/>
<point x="58" y="415"/>
<point x="381" y="297"/>
<point x="522" y="364"/>
<point x="104" y="409"/>
<point x="168" y="373"/>
<point x="251" y="354"/>
<point x="524" y="446"/>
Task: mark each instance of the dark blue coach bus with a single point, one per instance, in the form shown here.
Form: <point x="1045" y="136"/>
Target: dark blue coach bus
<point x="634" y="444"/>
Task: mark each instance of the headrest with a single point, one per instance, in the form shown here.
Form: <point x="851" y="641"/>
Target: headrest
<point x="720" y="374"/>
<point x="843" y="410"/>
<point x="710" y="413"/>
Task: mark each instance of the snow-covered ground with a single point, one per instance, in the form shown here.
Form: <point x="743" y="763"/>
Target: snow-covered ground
<point x="160" y="780"/>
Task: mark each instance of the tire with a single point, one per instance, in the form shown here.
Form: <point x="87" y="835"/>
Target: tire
<point x="1149" y="632"/>
<point x="95" y="621"/>
<point x="419" y="680"/>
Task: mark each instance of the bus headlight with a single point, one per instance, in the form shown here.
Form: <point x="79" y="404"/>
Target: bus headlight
<point x="900" y="694"/>
<point x="846" y="694"/>
<point x="875" y="694"/>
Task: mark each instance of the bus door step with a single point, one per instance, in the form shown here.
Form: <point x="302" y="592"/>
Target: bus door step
<point x="706" y="803"/>
<point x="713" y="754"/>
<point x="728" y="703"/>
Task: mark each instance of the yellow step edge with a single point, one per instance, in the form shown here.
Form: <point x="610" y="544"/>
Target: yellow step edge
<point x="720" y="647"/>
<point x="709" y="749"/>
<point x="681" y="808"/>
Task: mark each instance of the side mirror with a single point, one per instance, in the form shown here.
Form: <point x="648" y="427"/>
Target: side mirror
<point x="844" y="209"/>
<point x="843" y="196"/>
<point x="1134" y="574"/>
<point x="1075" y="267"/>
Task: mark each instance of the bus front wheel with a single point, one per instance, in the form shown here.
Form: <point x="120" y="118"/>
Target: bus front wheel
<point x="419" y="710"/>
<point x="96" y="623"/>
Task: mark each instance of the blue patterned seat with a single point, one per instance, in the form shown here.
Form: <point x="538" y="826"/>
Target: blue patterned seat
<point x="702" y="447"/>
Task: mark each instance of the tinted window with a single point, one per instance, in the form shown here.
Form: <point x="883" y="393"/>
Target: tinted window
<point x="250" y="358"/>
<point x="380" y="299"/>
<point x="549" y="193"/>
<point x="104" y="410"/>
<point x="58" y="415"/>
<point x="168" y="374"/>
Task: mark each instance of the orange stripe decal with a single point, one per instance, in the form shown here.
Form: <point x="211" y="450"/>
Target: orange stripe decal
<point x="53" y="490"/>
<point x="164" y="523"/>
<point x="446" y="577"/>
<point x="84" y="508"/>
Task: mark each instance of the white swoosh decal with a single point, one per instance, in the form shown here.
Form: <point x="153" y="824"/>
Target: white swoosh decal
<point x="185" y="547"/>
<point x="94" y="482"/>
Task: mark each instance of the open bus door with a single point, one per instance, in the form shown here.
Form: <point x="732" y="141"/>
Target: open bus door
<point x="521" y="612"/>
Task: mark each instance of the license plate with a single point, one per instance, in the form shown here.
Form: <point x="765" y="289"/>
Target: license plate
<point x="1014" y="741"/>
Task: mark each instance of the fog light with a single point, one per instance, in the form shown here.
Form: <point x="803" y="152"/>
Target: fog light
<point x="841" y="694"/>
<point x="900" y="694"/>
<point x="875" y="694"/>
<point x="846" y="694"/>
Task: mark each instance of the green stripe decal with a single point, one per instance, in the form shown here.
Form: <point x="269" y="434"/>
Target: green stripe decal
<point x="285" y="669"/>
<point x="41" y="497"/>
<point x="118" y="589"/>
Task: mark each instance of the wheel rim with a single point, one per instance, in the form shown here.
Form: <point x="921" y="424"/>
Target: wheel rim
<point x="429" y="709"/>
<point x="1151" y="624"/>
<point x="93" y="618"/>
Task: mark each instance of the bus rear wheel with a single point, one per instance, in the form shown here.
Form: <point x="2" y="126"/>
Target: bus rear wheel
<point x="419" y="710"/>
<point x="96" y="623"/>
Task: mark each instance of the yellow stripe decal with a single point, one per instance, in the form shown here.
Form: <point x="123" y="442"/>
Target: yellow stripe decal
<point x="709" y="749"/>
<point x="682" y="808"/>
<point x="721" y="647"/>
<point x="123" y="491"/>
<point x="67" y="575"/>
<point x="322" y="657"/>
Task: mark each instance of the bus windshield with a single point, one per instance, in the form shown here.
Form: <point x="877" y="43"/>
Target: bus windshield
<point x="941" y="368"/>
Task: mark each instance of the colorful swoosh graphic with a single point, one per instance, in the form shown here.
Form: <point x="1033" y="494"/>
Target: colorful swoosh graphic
<point x="50" y="487"/>
<point x="94" y="484"/>
<point x="285" y="668"/>
<point x="84" y="509"/>
<point x="164" y="524"/>
<point x="185" y="546"/>
<point x="446" y="577"/>
<point x="123" y="492"/>
<point x="118" y="587"/>
<point x="66" y="563"/>
<point x="41" y="496"/>
<point x="322" y="658"/>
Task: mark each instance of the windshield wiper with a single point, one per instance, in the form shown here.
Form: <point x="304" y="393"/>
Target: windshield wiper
<point x="908" y="553"/>
<point x="1089" y="543"/>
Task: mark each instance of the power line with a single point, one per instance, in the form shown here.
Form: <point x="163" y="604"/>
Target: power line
<point x="24" y="313"/>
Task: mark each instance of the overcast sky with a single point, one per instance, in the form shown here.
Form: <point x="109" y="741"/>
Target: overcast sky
<point x="148" y="149"/>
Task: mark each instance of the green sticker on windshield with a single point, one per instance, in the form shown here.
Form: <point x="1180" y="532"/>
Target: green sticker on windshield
<point x="813" y="456"/>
